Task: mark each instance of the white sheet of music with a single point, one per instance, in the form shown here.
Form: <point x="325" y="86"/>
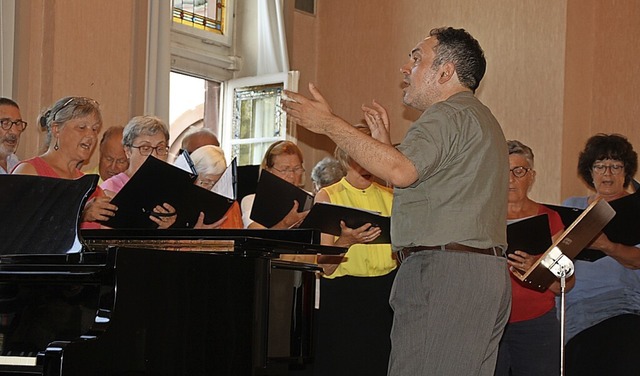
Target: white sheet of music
<point x="184" y="163"/>
<point x="224" y="186"/>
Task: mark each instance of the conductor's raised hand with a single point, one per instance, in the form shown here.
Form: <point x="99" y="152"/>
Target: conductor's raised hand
<point x="314" y="113"/>
<point x="378" y="121"/>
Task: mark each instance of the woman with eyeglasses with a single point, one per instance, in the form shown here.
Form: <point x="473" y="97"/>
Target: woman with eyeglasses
<point x="144" y="136"/>
<point x="210" y="164"/>
<point x="603" y="309"/>
<point x="71" y="125"/>
<point x="284" y="160"/>
<point x="530" y="344"/>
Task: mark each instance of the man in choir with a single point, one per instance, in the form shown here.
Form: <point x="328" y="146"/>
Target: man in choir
<point x="113" y="160"/>
<point x="451" y="295"/>
<point x="202" y="137"/>
<point x="11" y="128"/>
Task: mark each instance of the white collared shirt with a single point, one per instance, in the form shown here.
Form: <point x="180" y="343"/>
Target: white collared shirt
<point x="12" y="161"/>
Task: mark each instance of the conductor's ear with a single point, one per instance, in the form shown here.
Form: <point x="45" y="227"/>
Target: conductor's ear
<point x="446" y="72"/>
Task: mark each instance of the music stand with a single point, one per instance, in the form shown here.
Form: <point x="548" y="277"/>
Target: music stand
<point x="557" y="262"/>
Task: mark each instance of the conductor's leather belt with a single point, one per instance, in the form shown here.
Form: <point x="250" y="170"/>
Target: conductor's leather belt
<point x="457" y="247"/>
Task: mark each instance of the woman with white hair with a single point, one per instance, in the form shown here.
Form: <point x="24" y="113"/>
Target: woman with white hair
<point x="210" y="164"/>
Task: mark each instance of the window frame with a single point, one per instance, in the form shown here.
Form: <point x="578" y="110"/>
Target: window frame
<point x="289" y="81"/>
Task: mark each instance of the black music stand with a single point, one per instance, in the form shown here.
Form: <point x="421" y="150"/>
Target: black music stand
<point x="40" y="215"/>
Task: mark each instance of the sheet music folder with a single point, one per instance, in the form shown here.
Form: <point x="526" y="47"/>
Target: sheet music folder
<point x="623" y="228"/>
<point x="531" y="235"/>
<point x="327" y="216"/>
<point x="157" y="182"/>
<point x="571" y="242"/>
<point x="274" y="199"/>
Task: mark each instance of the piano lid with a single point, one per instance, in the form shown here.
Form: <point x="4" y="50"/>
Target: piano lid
<point x="40" y="215"/>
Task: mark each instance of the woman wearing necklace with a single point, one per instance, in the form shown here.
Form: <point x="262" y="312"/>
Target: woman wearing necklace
<point x="72" y="125"/>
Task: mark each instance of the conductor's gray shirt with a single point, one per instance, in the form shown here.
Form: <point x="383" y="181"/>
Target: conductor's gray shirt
<point x="461" y="157"/>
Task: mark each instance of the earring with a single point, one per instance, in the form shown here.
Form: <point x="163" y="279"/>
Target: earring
<point x="56" y="147"/>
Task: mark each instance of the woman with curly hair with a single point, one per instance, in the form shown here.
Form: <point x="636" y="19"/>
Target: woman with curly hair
<point x="603" y="309"/>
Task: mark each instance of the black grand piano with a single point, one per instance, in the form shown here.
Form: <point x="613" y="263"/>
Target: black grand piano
<point x="140" y="302"/>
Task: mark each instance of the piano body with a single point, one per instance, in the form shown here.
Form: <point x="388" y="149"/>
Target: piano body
<point x="140" y="302"/>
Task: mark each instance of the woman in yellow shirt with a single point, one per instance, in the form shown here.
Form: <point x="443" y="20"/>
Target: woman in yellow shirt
<point x="354" y="319"/>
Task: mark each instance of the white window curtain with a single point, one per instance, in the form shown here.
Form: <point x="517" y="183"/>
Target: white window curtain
<point x="7" y="34"/>
<point x="272" y="43"/>
<point x="158" y="59"/>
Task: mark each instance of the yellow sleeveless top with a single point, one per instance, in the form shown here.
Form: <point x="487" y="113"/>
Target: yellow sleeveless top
<point x="364" y="260"/>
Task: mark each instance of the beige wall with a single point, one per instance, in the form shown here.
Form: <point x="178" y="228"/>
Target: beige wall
<point x="543" y="66"/>
<point x="90" y="48"/>
<point x="558" y="70"/>
<point x="602" y="75"/>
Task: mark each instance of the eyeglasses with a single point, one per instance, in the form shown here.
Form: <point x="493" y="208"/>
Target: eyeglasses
<point x="78" y="101"/>
<point x="119" y="162"/>
<point x="205" y="183"/>
<point x="601" y="169"/>
<point x="520" y="171"/>
<point x="298" y="170"/>
<point x="160" y="150"/>
<point x="8" y="123"/>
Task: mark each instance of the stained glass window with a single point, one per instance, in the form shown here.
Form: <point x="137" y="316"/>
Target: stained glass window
<point x="207" y="15"/>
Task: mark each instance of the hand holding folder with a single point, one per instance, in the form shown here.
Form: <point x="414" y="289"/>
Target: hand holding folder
<point x="158" y="182"/>
<point x="624" y="227"/>
<point x="327" y="217"/>
<point x="275" y="199"/>
<point x="569" y="244"/>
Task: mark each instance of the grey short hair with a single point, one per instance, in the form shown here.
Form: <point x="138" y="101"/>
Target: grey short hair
<point x="517" y="147"/>
<point x="143" y="125"/>
<point x="326" y="172"/>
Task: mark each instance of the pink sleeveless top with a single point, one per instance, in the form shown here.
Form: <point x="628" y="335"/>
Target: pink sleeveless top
<point x="44" y="169"/>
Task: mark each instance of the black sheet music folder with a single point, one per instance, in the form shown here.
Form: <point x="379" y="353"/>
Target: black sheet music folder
<point x="531" y="235"/>
<point x="157" y="182"/>
<point x="570" y="243"/>
<point x="326" y="217"/>
<point x="274" y="199"/>
<point x="624" y="228"/>
<point x="247" y="177"/>
<point x="40" y="215"/>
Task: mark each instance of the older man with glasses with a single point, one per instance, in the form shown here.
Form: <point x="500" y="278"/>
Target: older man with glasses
<point x="112" y="160"/>
<point x="12" y="127"/>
